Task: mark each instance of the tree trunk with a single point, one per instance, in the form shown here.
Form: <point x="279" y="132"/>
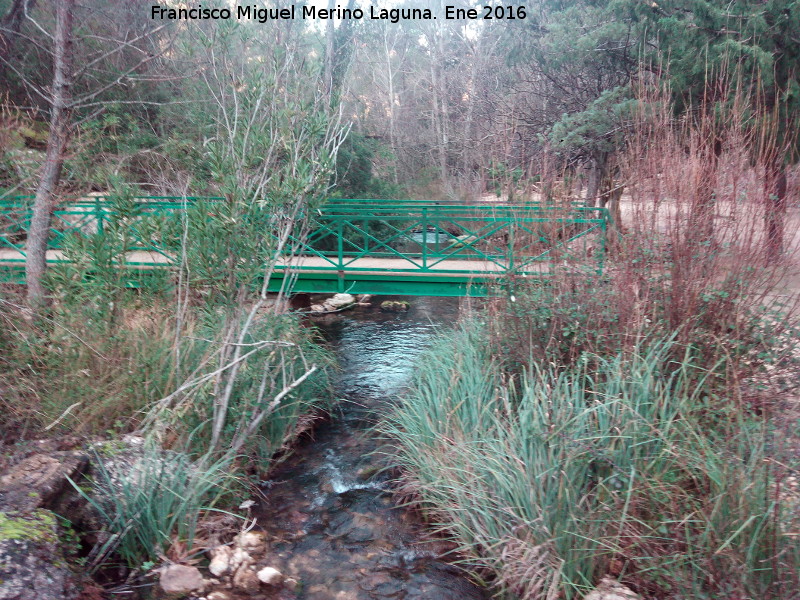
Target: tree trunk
<point x="439" y="104"/>
<point x="704" y="203"/>
<point x="609" y="198"/>
<point x="338" y="49"/>
<point x="597" y="173"/>
<point x="775" y="210"/>
<point x="56" y="144"/>
<point x="392" y="120"/>
<point x="329" y="55"/>
<point x="438" y="121"/>
<point x="10" y="26"/>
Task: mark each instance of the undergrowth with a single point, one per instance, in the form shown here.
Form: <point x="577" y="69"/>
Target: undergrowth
<point x="624" y="463"/>
<point x="627" y="424"/>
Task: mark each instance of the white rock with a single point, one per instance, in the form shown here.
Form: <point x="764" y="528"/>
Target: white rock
<point x="180" y="579"/>
<point x="133" y="440"/>
<point x="251" y="540"/>
<point x="340" y="301"/>
<point x="239" y="558"/>
<point x="270" y="576"/>
<point x="218" y="596"/>
<point x="611" y="589"/>
<point x="317" y="308"/>
<point x="220" y="561"/>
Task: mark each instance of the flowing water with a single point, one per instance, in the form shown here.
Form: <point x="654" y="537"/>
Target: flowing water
<point x="333" y="521"/>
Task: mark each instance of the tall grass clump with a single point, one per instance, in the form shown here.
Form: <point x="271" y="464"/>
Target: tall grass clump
<point x="617" y="464"/>
<point x="151" y="503"/>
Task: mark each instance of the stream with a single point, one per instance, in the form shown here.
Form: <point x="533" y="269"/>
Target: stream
<point x="332" y="519"/>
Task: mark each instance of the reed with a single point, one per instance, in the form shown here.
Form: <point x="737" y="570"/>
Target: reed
<point x="151" y="502"/>
<point x="612" y="465"/>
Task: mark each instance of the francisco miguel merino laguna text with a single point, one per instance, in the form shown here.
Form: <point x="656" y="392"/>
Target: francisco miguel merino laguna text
<point x="293" y="11"/>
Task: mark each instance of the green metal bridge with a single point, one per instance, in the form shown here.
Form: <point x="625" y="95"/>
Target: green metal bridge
<point x="407" y="247"/>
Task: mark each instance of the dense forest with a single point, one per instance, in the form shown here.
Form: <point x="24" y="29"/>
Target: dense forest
<point x="627" y="425"/>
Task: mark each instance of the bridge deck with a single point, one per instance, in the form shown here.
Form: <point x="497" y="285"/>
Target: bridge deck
<point x="400" y="266"/>
<point x="317" y="264"/>
<point x="315" y="274"/>
<point x="136" y="258"/>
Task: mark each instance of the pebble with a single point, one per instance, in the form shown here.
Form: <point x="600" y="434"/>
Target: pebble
<point x="180" y="579"/>
<point x="251" y="540"/>
<point x="220" y="561"/>
<point x="246" y="580"/>
<point x="270" y="576"/>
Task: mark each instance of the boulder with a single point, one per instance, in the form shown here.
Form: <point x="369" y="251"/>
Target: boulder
<point x="611" y="589"/>
<point x="395" y="306"/>
<point x="32" y="564"/>
<point x="38" y="480"/>
<point x="181" y="579"/>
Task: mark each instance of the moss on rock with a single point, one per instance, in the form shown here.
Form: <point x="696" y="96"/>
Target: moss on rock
<point x="37" y="526"/>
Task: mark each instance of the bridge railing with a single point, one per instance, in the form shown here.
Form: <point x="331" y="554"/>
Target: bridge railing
<point x="84" y="216"/>
<point x="428" y="237"/>
<point x="421" y="236"/>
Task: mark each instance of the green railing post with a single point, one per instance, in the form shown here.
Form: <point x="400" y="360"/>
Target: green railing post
<point x="424" y="238"/>
<point x="436" y="239"/>
<point x="98" y="215"/>
<point x="340" y="243"/>
<point x="601" y="258"/>
<point x="510" y="243"/>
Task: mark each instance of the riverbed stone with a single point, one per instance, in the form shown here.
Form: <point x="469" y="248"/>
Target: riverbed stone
<point x="382" y="585"/>
<point x="339" y="302"/>
<point x="254" y="542"/>
<point x="180" y="579"/>
<point x="246" y="580"/>
<point x="270" y="576"/>
<point x="368" y="471"/>
<point x="395" y="306"/>
<point x="240" y="559"/>
<point x="220" y="561"/>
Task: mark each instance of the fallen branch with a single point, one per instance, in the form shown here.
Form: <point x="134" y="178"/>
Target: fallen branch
<point x="240" y="439"/>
